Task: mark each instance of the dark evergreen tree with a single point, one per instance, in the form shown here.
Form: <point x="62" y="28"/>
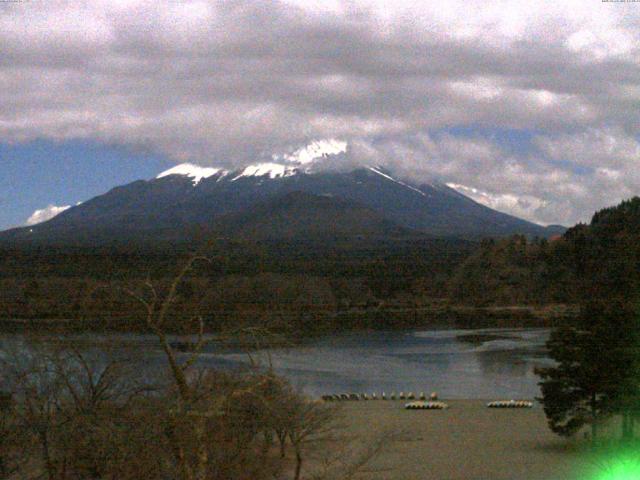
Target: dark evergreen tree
<point x="598" y="371"/>
<point x="596" y="376"/>
<point x="626" y="355"/>
<point x="571" y="396"/>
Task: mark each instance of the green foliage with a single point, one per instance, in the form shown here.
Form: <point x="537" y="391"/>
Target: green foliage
<point x="598" y="371"/>
<point x="573" y="392"/>
<point x="608" y="252"/>
<point x="598" y="362"/>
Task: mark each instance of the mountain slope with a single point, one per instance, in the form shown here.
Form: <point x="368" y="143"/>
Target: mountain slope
<point x="189" y="196"/>
<point x="299" y="215"/>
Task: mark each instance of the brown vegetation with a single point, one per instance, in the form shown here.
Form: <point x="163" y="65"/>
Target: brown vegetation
<point x="74" y="410"/>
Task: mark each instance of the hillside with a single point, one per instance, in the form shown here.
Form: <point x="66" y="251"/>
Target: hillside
<point x="598" y="260"/>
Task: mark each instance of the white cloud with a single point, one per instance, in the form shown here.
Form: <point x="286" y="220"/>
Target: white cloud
<point x="522" y="206"/>
<point x="315" y="150"/>
<point x="231" y="83"/>
<point x="205" y="80"/>
<point x="561" y="178"/>
<point x="45" y="214"/>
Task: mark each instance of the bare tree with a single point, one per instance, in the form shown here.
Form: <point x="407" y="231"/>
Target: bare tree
<point x="214" y="427"/>
<point x="310" y="421"/>
<point x="87" y="410"/>
<point x="200" y="406"/>
<point x="34" y="385"/>
<point x="10" y="441"/>
<point x="71" y="403"/>
<point x="157" y="310"/>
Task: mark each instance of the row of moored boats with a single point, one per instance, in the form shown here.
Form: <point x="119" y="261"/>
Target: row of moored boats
<point x="510" y="404"/>
<point x="421" y="402"/>
<point x="374" y="396"/>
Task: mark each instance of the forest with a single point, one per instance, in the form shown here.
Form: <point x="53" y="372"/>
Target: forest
<point x="335" y="283"/>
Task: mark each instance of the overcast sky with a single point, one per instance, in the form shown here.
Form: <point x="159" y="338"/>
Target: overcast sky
<point x="531" y="107"/>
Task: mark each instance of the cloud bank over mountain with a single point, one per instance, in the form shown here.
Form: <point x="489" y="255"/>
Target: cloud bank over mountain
<point x="533" y="104"/>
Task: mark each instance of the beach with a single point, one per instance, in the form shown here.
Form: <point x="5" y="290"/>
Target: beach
<point x="467" y="441"/>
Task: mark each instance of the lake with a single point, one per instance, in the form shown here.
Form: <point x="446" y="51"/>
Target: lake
<point x="474" y="364"/>
<point x="481" y="364"/>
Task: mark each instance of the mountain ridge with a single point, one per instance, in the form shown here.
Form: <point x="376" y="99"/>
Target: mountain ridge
<point x="187" y="196"/>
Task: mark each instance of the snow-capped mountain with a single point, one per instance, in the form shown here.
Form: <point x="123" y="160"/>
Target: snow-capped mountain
<point x="302" y="160"/>
<point x="192" y="171"/>
<point x="217" y="199"/>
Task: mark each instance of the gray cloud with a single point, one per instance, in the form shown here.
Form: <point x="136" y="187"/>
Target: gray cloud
<point x="222" y="83"/>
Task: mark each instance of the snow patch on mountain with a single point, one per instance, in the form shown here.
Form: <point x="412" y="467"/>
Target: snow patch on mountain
<point x="281" y="166"/>
<point x="375" y="170"/>
<point x="195" y="172"/>
<point x="273" y="170"/>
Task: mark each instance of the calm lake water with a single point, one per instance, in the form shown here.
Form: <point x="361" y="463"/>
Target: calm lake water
<point x="439" y="360"/>
<point x="481" y="364"/>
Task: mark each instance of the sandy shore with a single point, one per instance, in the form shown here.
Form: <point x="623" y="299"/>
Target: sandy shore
<point x="468" y="441"/>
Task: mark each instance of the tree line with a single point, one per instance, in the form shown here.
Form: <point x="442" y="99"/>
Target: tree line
<point x="245" y="281"/>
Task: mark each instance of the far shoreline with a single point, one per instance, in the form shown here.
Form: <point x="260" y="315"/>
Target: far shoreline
<point x="462" y="317"/>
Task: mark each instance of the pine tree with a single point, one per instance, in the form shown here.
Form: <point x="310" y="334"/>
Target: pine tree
<point x="595" y="373"/>
<point x="625" y="353"/>
<point x="569" y="399"/>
